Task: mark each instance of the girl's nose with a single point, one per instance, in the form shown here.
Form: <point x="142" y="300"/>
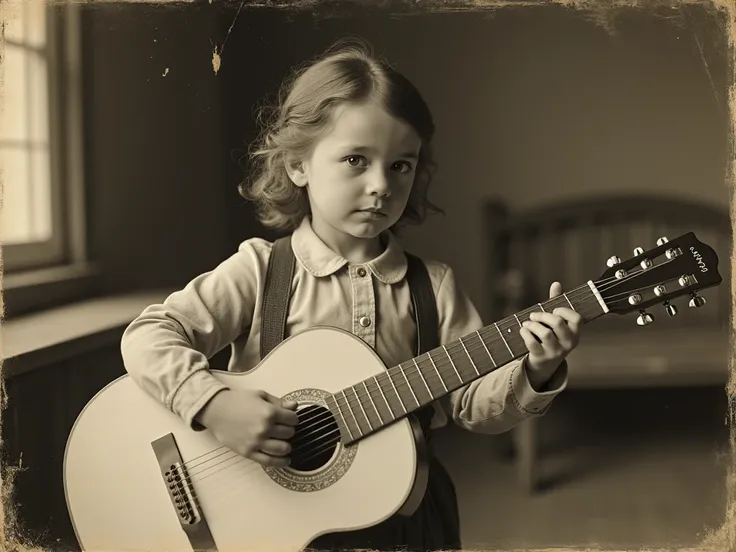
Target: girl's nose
<point x="379" y="184"/>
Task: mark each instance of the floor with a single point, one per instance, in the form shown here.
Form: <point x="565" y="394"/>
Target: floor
<point x="624" y="469"/>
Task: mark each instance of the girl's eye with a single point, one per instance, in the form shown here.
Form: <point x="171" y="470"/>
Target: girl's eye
<point x="354" y="160"/>
<point x="402" y="165"/>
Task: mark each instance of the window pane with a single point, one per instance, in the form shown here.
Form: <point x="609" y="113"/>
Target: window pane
<point x="13" y="13"/>
<point x="41" y="195"/>
<point x="36" y="22"/>
<point x="15" y="222"/>
<point x="38" y="98"/>
<point x="13" y="123"/>
<point x="26" y="214"/>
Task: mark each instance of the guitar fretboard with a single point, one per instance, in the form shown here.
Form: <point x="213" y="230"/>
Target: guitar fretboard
<point x="371" y="404"/>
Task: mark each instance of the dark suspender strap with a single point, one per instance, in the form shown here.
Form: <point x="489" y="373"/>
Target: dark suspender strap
<point x="425" y="306"/>
<point x="276" y="294"/>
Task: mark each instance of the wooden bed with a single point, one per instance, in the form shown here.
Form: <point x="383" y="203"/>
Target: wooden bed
<point x="570" y="242"/>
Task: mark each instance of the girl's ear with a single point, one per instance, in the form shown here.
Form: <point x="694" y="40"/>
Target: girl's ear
<point x="296" y="171"/>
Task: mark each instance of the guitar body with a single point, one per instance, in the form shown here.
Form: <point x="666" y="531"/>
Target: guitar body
<point x="124" y="442"/>
<point x="137" y="478"/>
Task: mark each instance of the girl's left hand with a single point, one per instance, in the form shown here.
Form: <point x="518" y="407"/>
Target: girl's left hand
<point x="559" y="333"/>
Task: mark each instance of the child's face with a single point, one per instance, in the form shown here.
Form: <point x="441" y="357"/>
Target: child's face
<point x="367" y="161"/>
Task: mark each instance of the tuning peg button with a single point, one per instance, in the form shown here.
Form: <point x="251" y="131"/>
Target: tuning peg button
<point x="670" y="309"/>
<point x="644" y="319"/>
<point x="663" y="240"/>
<point x="613" y="261"/>
<point x="638" y="251"/>
<point x="696" y="301"/>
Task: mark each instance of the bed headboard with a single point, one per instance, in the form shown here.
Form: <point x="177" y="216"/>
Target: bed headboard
<point x="571" y="241"/>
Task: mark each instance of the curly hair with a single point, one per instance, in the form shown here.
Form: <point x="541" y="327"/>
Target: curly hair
<point x="347" y="72"/>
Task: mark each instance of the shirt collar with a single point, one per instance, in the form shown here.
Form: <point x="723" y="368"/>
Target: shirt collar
<point x="319" y="260"/>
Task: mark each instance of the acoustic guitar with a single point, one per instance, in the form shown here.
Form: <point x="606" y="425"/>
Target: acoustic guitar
<point x="137" y="478"/>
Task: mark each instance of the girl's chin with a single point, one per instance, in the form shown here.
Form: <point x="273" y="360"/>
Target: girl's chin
<point x="370" y="228"/>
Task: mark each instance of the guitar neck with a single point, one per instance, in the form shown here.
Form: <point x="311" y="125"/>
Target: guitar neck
<point x="369" y="405"/>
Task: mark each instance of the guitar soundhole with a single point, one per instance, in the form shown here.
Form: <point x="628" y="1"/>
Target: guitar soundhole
<point x="316" y="438"/>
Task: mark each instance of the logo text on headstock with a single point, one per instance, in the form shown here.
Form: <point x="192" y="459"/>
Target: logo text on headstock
<point x="699" y="259"/>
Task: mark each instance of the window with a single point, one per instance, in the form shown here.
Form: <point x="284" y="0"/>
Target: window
<point x="41" y="143"/>
<point x="29" y="226"/>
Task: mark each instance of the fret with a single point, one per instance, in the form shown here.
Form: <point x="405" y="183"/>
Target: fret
<point x="378" y="412"/>
<point x="408" y="384"/>
<point x="360" y="402"/>
<point x="568" y="301"/>
<point x="541" y="307"/>
<point x="504" y="340"/>
<point x="396" y="391"/>
<point x="342" y="416"/>
<point x="453" y="364"/>
<point x="350" y="409"/>
<point x="421" y="375"/>
<point x="439" y="375"/>
<point x="380" y="390"/>
<point x="471" y="358"/>
<point x="517" y="320"/>
<point x="486" y="348"/>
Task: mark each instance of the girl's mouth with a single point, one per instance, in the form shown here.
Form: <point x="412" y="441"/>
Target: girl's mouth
<point x="375" y="213"/>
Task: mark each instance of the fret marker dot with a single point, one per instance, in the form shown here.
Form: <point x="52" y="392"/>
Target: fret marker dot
<point x="509" y="330"/>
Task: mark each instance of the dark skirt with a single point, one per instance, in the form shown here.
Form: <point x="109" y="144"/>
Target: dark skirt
<point x="435" y="525"/>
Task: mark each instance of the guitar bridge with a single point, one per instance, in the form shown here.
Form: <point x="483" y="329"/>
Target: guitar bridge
<point x="181" y="493"/>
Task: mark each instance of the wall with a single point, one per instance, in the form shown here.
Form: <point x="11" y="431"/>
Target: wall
<point x="532" y="105"/>
<point x="153" y="144"/>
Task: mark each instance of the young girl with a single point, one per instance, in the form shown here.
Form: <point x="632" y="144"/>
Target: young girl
<point x="344" y="161"/>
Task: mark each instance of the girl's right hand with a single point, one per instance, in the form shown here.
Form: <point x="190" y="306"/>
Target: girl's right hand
<point x="252" y="423"/>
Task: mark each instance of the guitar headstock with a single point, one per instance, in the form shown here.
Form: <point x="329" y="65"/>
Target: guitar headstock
<point x="682" y="266"/>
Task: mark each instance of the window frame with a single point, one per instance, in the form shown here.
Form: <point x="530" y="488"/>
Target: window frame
<point x="45" y="274"/>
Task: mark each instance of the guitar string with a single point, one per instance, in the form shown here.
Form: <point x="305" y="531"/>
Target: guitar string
<point x="190" y="463"/>
<point x="350" y="402"/>
<point x="318" y="451"/>
<point x="323" y="415"/>
<point x="441" y="363"/>
<point x="315" y="447"/>
<point x="234" y="488"/>
<point x="493" y="339"/>
<point x="315" y="451"/>
<point x="598" y="286"/>
<point x="318" y="418"/>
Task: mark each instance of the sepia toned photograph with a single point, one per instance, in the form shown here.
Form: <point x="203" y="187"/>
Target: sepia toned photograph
<point x="362" y="275"/>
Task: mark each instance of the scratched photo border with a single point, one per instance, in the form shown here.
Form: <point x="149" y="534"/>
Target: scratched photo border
<point x="600" y="12"/>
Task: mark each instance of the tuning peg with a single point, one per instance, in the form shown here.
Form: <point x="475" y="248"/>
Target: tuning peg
<point x="696" y="301"/>
<point x="663" y="240"/>
<point x="612" y="261"/>
<point x="670" y="309"/>
<point x="638" y="251"/>
<point x="644" y="318"/>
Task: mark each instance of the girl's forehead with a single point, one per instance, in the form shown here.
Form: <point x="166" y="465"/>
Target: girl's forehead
<point x="368" y="125"/>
